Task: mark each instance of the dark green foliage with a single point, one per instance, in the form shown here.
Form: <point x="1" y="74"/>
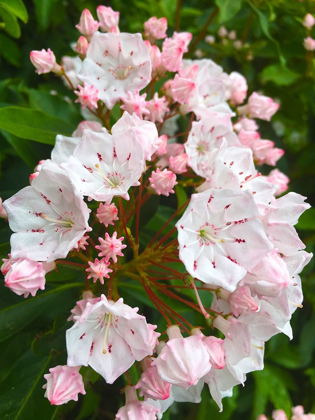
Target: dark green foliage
<point x="274" y="61"/>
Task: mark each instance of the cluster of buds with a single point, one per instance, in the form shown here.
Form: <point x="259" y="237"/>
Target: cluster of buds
<point x="236" y="240"/>
<point x="297" y="414"/>
<point x="308" y="23"/>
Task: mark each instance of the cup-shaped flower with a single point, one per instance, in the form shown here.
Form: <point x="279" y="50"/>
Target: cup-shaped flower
<point x="221" y="237"/>
<point x="145" y="132"/>
<point x="183" y="361"/>
<point x="155" y="28"/>
<point x="109" y="336"/>
<point x="64" y="383"/>
<point x="116" y="64"/>
<point x="135" y="409"/>
<point x="26" y="276"/>
<point x="103" y="166"/>
<point x="87" y="25"/>
<point x="45" y="61"/>
<point x="48" y="218"/>
<point x="108" y="18"/>
<point x="151" y="385"/>
<point x="107" y="214"/>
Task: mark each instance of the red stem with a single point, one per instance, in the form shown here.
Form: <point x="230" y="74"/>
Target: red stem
<point x="138" y="212"/>
<point x="148" y="291"/>
<point x="122" y="214"/>
<point x="70" y="263"/>
<point x="170" y="233"/>
<point x="169" y="221"/>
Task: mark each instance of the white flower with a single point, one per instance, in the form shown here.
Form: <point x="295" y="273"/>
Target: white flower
<point x="116" y="64"/>
<point x="48" y="218"/>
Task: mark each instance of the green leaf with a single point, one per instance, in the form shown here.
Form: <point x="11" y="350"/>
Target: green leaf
<point x="278" y="74"/>
<point x="16" y="317"/>
<point x="32" y="124"/>
<point x="43" y="10"/>
<point x="26" y="150"/>
<point x="9" y="50"/>
<point x="21" y="396"/>
<point x="181" y="198"/>
<point x="307" y="220"/>
<point x="54" y="105"/>
<point x="264" y="24"/>
<point x="4" y="250"/>
<point x="271" y="385"/>
<point x="17" y="8"/>
<point x="11" y="24"/>
<point x="228" y="9"/>
<point x="169" y="9"/>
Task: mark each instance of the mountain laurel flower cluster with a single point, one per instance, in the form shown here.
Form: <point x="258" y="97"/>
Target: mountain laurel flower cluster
<point x="159" y="128"/>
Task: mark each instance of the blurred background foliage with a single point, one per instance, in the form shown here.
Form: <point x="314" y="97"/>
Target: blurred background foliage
<point x="272" y="58"/>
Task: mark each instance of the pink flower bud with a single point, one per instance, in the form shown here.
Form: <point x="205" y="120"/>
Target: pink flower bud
<point x="178" y="164"/>
<point x="77" y="311"/>
<point x="82" y="243"/>
<point x="98" y="270"/>
<point x="64" y="383"/>
<point x="174" y="49"/>
<point x="151" y="385"/>
<point x="163" y="182"/>
<point x="309" y="21"/>
<point x="3" y="213"/>
<point x="6" y="266"/>
<point x="183" y="361"/>
<point x="162" y="143"/>
<point x="107" y="214"/>
<point x="135" y="409"/>
<point x="279" y="415"/>
<point x="259" y="106"/>
<point x="87" y="25"/>
<point x="87" y="125"/>
<point x="45" y="62"/>
<point x="309" y="44"/>
<point x="241" y="301"/>
<point x="183" y="89"/>
<point x="155" y="28"/>
<point x="157" y="107"/>
<point x="245" y="124"/>
<point x="108" y="19"/>
<point x="111" y="247"/>
<point x="155" y="56"/>
<point x="297" y="412"/>
<point x="210" y="39"/>
<point x="82" y="46"/>
<point x="215" y="349"/>
<point x="25" y="277"/>
<point x="33" y="176"/>
<point x="273" y="156"/>
<point x="135" y="103"/>
<point x="222" y="32"/>
<point x="87" y="96"/>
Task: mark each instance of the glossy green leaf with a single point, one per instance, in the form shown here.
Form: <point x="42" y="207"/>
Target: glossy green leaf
<point x="33" y="125"/>
<point x="16" y="7"/>
<point x="43" y="10"/>
<point x="10" y="21"/>
<point x="228" y="9"/>
<point x="54" y="105"/>
<point x="264" y="24"/>
<point x="21" y="396"/>
<point x="278" y="74"/>
<point x="16" y="317"/>
<point x="26" y="150"/>
<point x="9" y="50"/>
<point x="307" y="220"/>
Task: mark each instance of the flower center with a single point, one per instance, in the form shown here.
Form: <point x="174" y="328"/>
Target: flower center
<point x="207" y="235"/>
<point x="107" y="321"/>
<point x="65" y="220"/>
<point x="202" y="147"/>
<point x="114" y="180"/>
<point x="121" y="72"/>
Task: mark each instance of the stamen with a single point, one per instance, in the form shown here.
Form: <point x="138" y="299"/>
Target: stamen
<point x="298" y="305"/>
<point x="97" y="166"/>
<point x="257" y="347"/>
<point x="61" y="222"/>
<point x="204" y="313"/>
<point x="106" y="331"/>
